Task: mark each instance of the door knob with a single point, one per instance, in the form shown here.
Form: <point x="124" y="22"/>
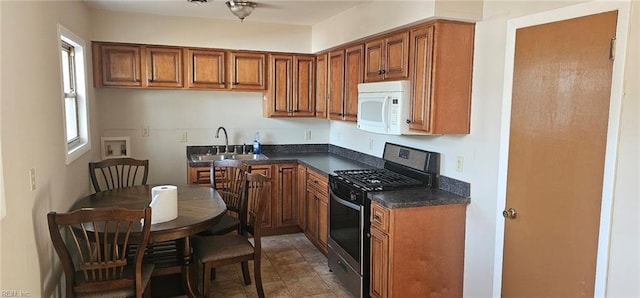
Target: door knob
<point x="510" y="213"/>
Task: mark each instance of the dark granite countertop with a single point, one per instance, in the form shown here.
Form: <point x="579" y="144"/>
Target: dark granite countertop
<point x="416" y="197"/>
<point x="328" y="162"/>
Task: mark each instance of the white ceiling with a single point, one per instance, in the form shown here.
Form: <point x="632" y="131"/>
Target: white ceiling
<point x="302" y="12"/>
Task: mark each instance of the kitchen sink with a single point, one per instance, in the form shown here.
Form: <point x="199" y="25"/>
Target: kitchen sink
<point x="227" y="156"/>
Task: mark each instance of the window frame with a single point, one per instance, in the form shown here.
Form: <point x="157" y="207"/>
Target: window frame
<point x="81" y="144"/>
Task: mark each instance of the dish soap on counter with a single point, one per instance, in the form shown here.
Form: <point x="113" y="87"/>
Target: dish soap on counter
<point x="256" y="144"/>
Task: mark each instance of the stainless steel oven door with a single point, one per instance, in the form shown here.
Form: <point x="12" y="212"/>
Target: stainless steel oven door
<point x="346" y="224"/>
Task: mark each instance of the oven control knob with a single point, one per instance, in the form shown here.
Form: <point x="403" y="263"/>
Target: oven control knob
<point x="353" y="196"/>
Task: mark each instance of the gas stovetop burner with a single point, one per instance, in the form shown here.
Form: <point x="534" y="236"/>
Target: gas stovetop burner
<point x="379" y="179"/>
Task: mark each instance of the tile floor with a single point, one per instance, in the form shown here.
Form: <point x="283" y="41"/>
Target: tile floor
<point x="291" y="267"/>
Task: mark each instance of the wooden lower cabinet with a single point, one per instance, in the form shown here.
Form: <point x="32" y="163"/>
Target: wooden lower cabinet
<point x="298" y="199"/>
<point x="317" y="208"/>
<point x="417" y="252"/>
<point x="281" y="215"/>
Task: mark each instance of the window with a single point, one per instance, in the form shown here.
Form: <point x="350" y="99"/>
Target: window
<point x="74" y="95"/>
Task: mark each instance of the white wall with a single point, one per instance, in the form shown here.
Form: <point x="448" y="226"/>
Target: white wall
<point x="124" y="112"/>
<point x="480" y="148"/>
<point x="33" y="137"/>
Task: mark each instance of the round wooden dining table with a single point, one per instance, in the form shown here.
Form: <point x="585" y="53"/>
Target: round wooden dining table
<point x="199" y="207"/>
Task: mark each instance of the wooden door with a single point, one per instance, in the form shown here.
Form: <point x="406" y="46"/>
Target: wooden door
<point x="286" y="195"/>
<point x="164" y="67"/>
<point x="323" y="221"/>
<point x="560" y="107"/>
<point x="206" y="69"/>
<point x="321" y="86"/>
<point x="248" y="71"/>
<point x="353" y="75"/>
<point x="281" y="74"/>
<point x="121" y="65"/>
<point x="311" y="215"/>
<point x="421" y="64"/>
<point x="301" y="196"/>
<point x="374" y="60"/>
<point x="379" y="263"/>
<point x="303" y="101"/>
<point x="396" y="57"/>
<point x="335" y="81"/>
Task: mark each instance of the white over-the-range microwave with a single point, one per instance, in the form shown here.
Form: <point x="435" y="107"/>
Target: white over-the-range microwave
<point x="383" y="107"/>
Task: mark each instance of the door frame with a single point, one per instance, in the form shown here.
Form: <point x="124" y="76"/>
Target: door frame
<point x="574" y="11"/>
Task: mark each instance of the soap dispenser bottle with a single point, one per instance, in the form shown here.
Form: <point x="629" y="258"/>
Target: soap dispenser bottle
<point x="256" y="144"/>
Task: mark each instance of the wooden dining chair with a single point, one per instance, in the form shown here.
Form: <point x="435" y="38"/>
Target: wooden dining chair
<point x="101" y="260"/>
<point x="118" y="172"/>
<point x="228" y="178"/>
<point x="215" y="251"/>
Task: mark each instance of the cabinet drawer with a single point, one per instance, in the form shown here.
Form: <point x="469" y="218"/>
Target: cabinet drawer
<point x="317" y="181"/>
<point x="199" y="175"/>
<point x="380" y="217"/>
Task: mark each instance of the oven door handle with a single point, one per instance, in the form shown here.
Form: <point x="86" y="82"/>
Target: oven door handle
<point x="345" y="202"/>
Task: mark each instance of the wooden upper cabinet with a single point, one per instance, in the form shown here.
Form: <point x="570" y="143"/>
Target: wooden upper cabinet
<point x="345" y="72"/>
<point x="304" y="86"/>
<point x="164" y="67"/>
<point x="387" y="58"/>
<point x="321" y="86"/>
<point x="291" y="86"/>
<point x="441" y="66"/>
<point x="206" y="69"/>
<point x="248" y="71"/>
<point x="353" y="75"/>
<point x="280" y="76"/>
<point x="335" y="84"/>
<point x="117" y="65"/>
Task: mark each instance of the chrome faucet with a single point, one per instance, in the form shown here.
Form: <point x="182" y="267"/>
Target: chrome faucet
<point x="226" y="138"/>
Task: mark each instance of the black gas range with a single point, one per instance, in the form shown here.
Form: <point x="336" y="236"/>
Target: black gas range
<point x="349" y="208"/>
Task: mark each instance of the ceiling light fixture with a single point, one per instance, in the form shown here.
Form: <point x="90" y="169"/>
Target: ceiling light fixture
<point x="241" y="9"/>
<point x="196" y="2"/>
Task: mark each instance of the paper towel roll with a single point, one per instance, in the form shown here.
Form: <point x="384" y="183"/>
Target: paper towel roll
<point x="164" y="203"/>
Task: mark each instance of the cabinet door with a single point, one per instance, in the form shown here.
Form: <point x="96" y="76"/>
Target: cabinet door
<point x="286" y="214"/>
<point x="120" y="65"/>
<point x="164" y="67"/>
<point x="323" y="222"/>
<point x="248" y="71"/>
<point x="303" y="86"/>
<point x="267" y="221"/>
<point x="422" y="64"/>
<point x="353" y="75"/>
<point x="335" y="80"/>
<point x="379" y="264"/>
<point x="396" y="65"/>
<point x="311" y="216"/>
<point x="280" y="77"/>
<point x="374" y="60"/>
<point x="206" y="69"/>
<point x="321" y="86"/>
<point x="301" y="196"/>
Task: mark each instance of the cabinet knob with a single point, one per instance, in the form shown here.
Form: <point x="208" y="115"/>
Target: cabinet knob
<point x="379" y="72"/>
<point x="376" y="217"/>
<point x="383" y="71"/>
<point x="408" y="121"/>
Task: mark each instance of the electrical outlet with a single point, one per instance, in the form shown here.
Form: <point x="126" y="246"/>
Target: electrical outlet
<point x="32" y="179"/>
<point x="184" y="137"/>
<point x="145" y="131"/>
<point x="307" y="134"/>
<point x="459" y="164"/>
